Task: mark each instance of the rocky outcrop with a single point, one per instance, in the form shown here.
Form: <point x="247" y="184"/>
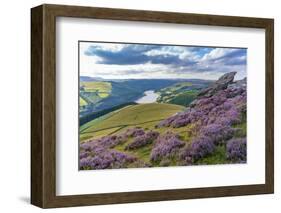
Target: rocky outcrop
<point x="239" y="84"/>
<point x="212" y="121"/>
<point x="221" y="84"/>
<point x="224" y="100"/>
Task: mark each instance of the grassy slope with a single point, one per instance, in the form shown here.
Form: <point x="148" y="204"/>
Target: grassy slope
<point x="143" y="115"/>
<point x="94" y="92"/>
<point x="96" y="86"/>
<point x="82" y="101"/>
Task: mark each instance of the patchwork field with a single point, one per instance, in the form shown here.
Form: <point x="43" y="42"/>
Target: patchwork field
<point x="96" y="86"/>
<point x="144" y="115"/>
<point x="82" y="102"/>
<point x="93" y="92"/>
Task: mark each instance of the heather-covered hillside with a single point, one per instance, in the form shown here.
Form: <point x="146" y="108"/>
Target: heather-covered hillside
<point x="211" y="130"/>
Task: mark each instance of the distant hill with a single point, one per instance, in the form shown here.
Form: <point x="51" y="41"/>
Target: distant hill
<point x="87" y="78"/>
<point x="104" y="94"/>
<point x="181" y="93"/>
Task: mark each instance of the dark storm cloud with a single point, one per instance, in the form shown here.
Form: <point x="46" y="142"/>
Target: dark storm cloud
<point x="128" y="55"/>
<point x="236" y="57"/>
<point x="236" y="61"/>
<point x="169" y="59"/>
<point x="136" y="54"/>
<point x="235" y="53"/>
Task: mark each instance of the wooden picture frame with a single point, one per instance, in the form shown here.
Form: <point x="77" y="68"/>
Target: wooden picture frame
<point x="43" y="105"/>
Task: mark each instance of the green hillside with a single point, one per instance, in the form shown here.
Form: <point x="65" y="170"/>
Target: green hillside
<point x="96" y="86"/>
<point x="142" y="115"/>
<point x="102" y="95"/>
<point x="182" y="93"/>
<point x="93" y="92"/>
<point x="82" y="102"/>
<point x="184" y="98"/>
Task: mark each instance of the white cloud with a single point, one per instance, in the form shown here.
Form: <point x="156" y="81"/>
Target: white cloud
<point x="217" y="53"/>
<point x="113" y="47"/>
<point x="210" y="65"/>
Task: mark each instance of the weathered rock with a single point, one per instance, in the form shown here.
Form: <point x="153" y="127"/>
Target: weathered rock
<point x="239" y="84"/>
<point x="220" y="84"/>
<point x="226" y="78"/>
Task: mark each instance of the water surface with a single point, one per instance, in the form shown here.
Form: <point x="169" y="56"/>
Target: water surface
<point x="149" y="97"/>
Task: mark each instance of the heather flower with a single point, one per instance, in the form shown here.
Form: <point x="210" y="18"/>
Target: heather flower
<point x="111" y="141"/>
<point x="122" y="157"/>
<point x="83" y="154"/>
<point x="180" y="122"/>
<point x="85" y="146"/>
<point x="233" y="115"/>
<point x="236" y="150"/>
<point x="224" y="108"/>
<point x="133" y="132"/>
<point x="201" y="147"/>
<point x="97" y="154"/>
<point x="107" y="160"/>
<point x="152" y="134"/>
<point x="165" y="146"/>
<point x="102" y="161"/>
<point x="217" y="132"/>
<point x="142" y="140"/>
<point x="211" y="116"/>
<point x="85" y="163"/>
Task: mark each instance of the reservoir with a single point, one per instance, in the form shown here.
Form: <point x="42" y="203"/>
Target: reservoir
<point x="149" y="97"/>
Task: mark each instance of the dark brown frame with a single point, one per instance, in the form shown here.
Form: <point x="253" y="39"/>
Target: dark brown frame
<point x="43" y="105"/>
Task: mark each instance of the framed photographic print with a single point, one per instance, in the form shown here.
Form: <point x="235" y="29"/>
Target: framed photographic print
<point x="137" y="106"/>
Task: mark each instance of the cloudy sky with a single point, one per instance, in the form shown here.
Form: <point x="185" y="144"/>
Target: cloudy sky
<point x="137" y="61"/>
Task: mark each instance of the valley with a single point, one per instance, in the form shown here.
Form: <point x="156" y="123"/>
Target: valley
<point x="96" y="96"/>
<point x="171" y="123"/>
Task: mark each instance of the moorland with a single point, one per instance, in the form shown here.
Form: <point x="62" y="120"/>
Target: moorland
<point x="133" y="123"/>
